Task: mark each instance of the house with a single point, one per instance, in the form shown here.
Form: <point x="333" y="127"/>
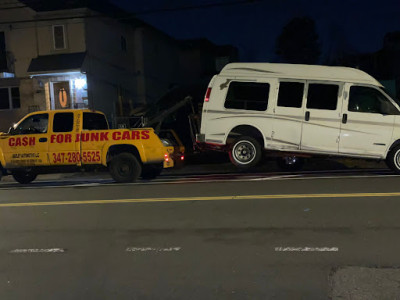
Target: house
<point x="87" y="54"/>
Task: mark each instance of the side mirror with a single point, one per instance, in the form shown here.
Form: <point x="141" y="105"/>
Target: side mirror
<point x="12" y="131"/>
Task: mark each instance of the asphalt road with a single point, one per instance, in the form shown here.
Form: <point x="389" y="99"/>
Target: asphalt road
<point x="252" y="237"/>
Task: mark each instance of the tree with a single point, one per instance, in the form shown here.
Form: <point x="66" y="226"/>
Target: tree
<point x="298" y="42"/>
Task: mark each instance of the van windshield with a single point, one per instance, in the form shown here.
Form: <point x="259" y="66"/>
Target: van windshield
<point x="391" y="95"/>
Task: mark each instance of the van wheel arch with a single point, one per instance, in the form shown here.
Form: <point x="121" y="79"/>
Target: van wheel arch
<point x="245" y="130"/>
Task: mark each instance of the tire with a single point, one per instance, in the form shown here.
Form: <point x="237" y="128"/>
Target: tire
<point x="125" y="167"/>
<point x="245" y="152"/>
<point x="24" y="176"/>
<point x="151" y="171"/>
<point x="393" y="159"/>
<point x="290" y="163"/>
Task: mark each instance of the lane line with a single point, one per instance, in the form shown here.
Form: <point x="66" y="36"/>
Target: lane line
<point x="152" y="249"/>
<point x="184" y="199"/>
<point x="37" y="250"/>
<point x="306" y="249"/>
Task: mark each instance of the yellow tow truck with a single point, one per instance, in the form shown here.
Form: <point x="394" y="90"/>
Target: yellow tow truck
<point x="66" y="140"/>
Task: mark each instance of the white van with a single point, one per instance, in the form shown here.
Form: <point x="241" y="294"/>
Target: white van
<point x="294" y="111"/>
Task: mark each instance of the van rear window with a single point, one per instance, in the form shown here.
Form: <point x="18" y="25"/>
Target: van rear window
<point x="247" y="96"/>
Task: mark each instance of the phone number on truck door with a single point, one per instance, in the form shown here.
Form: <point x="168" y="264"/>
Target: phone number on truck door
<point x="76" y="157"/>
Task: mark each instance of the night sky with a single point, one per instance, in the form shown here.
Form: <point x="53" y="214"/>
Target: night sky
<point x="343" y="25"/>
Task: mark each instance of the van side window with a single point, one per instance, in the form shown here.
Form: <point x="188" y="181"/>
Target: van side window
<point x="247" y="95"/>
<point x="63" y="122"/>
<point x="322" y="96"/>
<point x="368" y="100"/>
<point x="290" y="94"/>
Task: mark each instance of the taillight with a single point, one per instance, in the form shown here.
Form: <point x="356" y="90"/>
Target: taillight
<point x="182" y="157"/>
<point x="166" y="157"/>
<point x="207" y="97"/>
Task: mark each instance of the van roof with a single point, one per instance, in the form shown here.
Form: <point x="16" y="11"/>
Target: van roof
<point x="296" y="71"/>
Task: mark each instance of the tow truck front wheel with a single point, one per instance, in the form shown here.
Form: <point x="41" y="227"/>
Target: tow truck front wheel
<point x="24" y="176"/>
<point x="125" y="167"/>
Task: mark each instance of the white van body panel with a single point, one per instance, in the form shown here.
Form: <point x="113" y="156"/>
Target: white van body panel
<point x="366" y="135"/>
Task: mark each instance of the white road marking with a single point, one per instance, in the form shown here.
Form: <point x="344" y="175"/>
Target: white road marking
<point x="306" y="249"/>
<point x="37" y="250"/>
<point x="153" y="249"/>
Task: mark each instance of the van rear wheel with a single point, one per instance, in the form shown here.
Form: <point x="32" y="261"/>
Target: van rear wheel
<point x="245" y="152"/>
<point x="393" y="159"/>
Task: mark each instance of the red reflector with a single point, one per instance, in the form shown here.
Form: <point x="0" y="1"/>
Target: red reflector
<point x="207" y="97"/>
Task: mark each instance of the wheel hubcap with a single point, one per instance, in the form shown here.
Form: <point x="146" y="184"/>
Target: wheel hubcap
<point x="244" y="152"/>
<point x="397" y="159"/>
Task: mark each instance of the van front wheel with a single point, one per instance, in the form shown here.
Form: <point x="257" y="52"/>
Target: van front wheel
<point x="245" y="152"/>
<point x="393" y="159"/>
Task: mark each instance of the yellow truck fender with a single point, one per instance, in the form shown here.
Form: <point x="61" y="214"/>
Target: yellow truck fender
<point x="130" y="147"/>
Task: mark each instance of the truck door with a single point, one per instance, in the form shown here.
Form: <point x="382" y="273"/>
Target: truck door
<point x="94" y="135"/>
<point x="367" y="122"/>
<point x="63" y="149"/>
<point x="321" y="123"/>
<point x="288" y="115"/>
<point x="27" y="144"/>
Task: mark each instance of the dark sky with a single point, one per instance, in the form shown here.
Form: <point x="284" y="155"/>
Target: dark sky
<point x="350" y="25"/>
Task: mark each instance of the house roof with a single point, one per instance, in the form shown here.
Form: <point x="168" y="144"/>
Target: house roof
<point x="297" y="71"/>
<point x="103" y="6"/>
<point x="57" y="62"/>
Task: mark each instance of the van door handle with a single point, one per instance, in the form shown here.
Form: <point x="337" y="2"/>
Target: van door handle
<point x="344" y="119"/>
<point x="42" y="140"/>
<point x="307" y="117"/>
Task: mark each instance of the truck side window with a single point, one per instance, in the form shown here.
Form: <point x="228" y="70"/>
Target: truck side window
<point x="368" y="100"/>
<point x="290" y="94"/>
<point x="322" y="96"/>
<point x="94" y="121"/>
<point x="33" y="124"/>
<point x="63" y="122"/>
<point x="247" y="95"/>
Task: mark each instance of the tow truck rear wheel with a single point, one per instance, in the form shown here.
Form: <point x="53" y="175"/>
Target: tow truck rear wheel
<point x="24" y="176"/>
<point x="125" y="167"/>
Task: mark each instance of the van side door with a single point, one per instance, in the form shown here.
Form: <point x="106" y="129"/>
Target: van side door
<point x="368" y="121"/>
<point x="321" y="123"/>
<point x="288" y="115"/>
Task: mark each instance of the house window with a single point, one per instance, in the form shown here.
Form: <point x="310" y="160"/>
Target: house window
<point x="59" y="37"/>
<point x="9" y="98"/>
